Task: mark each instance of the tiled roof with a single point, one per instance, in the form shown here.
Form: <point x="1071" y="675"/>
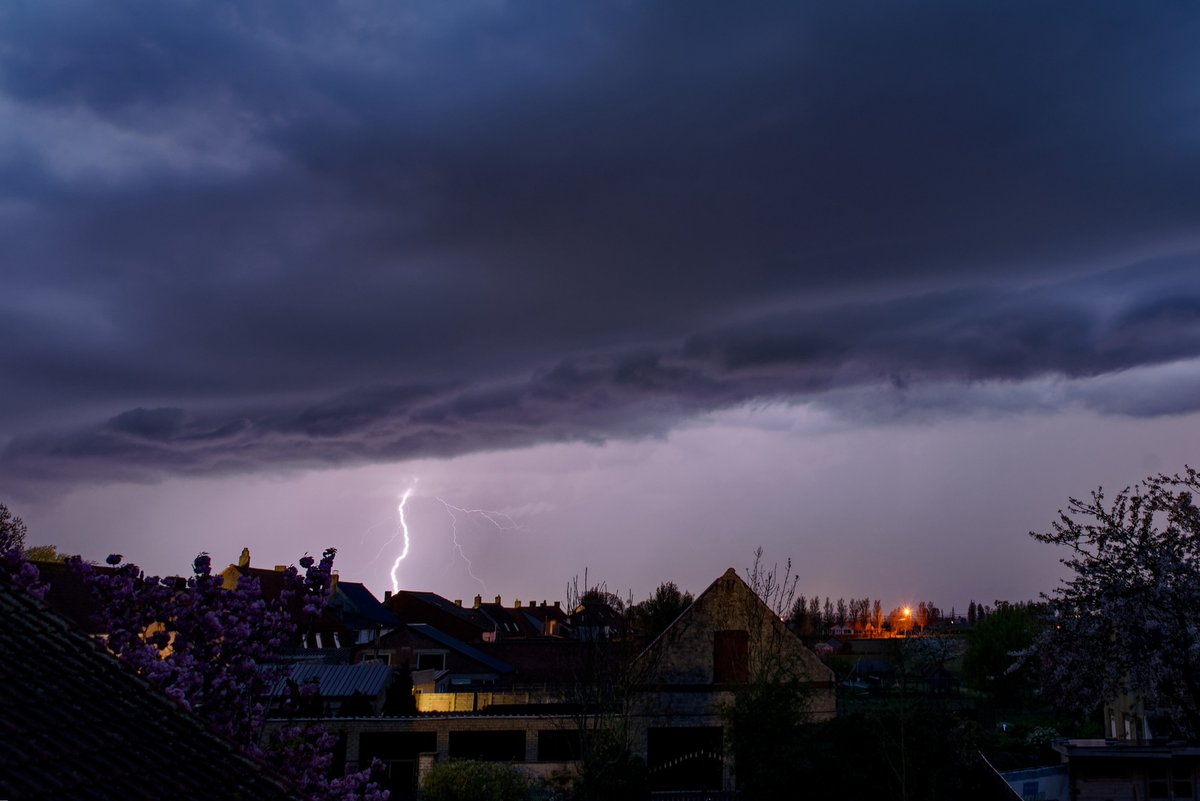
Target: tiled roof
<point x="438" y="602"/>
<point x="428" y="607"/>
<point x="510" y="622"/>
<point x="74" y="724"/>
<point x="544" y="612"/>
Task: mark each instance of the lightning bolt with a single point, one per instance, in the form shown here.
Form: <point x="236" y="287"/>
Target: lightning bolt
<point x="403" y="531"/>
<point x="500" y="520"/>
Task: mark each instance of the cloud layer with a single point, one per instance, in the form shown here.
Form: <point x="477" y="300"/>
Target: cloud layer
<point x="308" y="235"/>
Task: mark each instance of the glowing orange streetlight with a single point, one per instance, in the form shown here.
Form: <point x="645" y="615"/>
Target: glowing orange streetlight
<point x="907" y="620"/>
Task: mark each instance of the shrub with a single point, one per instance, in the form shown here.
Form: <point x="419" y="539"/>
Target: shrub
<point x="470" y="780"/>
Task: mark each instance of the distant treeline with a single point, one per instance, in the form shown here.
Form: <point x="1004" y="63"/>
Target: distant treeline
<point x="812" y="617"/>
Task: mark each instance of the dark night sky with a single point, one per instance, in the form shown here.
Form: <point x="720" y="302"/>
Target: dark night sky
<point x="876" y="286"/>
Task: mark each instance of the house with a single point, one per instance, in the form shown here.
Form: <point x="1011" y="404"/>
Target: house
<point x="362" y="617"/>
<point x="442" y="668"/>
<point x="508" y="622"/>
<point x="74" y="723"/>
<point x="596" y="621"/>
<point x="549" y="618"/>
<point x="480" y="622"/>
<point x="1124" y="771"/>
<point x="726" y="638"/>
<point x="463" y="624"/>
<point x="352" y="615"/>
<point x="1047" y="783"/>
<point x="828" y="647"/>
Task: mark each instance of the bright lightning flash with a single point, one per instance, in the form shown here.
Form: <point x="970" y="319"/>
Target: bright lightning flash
<point x="404" y="531"/>
<point x="500" y="520"/>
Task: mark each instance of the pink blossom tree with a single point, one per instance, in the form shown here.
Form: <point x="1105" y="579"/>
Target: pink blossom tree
<point x="216" y="652"/>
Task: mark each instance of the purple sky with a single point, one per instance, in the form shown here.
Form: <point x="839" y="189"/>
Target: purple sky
<point x="874" y="287"/>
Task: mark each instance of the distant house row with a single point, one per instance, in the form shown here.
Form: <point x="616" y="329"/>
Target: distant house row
<point x="417" y="678"/>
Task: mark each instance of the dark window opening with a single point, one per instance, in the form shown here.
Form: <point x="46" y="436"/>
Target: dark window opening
<point x="398" y="751"/>
<point x="496" y="746"/>
<point x="431" y="661"/>
<point x="558" y="745"/>
<point x="395" y="745"/>
<point x="731" y="656"/>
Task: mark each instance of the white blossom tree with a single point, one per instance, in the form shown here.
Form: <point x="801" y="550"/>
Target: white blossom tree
<point x="1126" y="622"/>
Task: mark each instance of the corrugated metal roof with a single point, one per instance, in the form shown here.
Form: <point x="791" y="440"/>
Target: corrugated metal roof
<point x="338" y="681"/>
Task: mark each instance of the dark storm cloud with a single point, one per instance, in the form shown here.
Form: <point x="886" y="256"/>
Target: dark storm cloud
<point x="293" y="235"/>
<point x="881" y="360"/>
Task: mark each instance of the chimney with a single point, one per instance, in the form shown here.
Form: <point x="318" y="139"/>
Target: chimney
<point x="478" y="601"/>
<point x="516" y="603"/>
<point x="244" y="559"/>
<point x="498" y="601"/>
<point x="387" y="596"/>
<point x="280" y="568"/>
<point x="556" y="604"/>
<point x="458" y="601"/>
<point x="544" y="602"/>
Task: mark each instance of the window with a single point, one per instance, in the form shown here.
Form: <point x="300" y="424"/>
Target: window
<point x="499" y="746"/>
<point x="558" y="745"/>
<point x="731" y="656"/>
<point x="379" y="659"/>
<point x="1163" y="786"/>
<point x="431" y="660"/>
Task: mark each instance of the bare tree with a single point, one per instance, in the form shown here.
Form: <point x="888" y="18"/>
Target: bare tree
<point x="776" y="588"/>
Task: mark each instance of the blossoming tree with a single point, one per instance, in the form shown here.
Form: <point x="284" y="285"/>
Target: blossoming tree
<point x="216" y="652"/>
<point x="1124" y="623"/>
